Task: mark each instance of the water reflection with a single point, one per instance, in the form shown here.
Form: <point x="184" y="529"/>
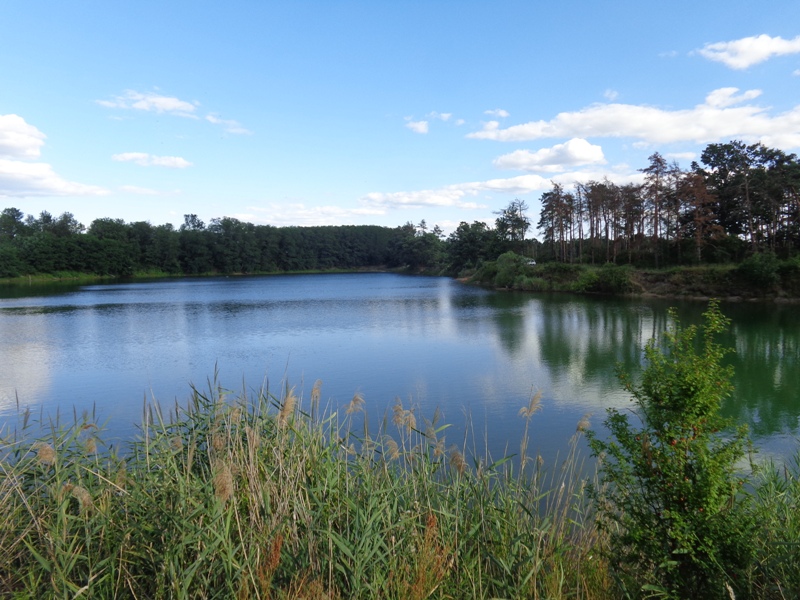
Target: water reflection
<point x="430" y="341"/>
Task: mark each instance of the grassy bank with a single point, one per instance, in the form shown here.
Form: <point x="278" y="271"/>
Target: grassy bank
<point x="759" y="277"/>
<point x="265" y="497"/>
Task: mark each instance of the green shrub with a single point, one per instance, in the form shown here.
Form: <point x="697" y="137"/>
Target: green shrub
<point x="670" y="498"/>
<point x="759" y="271"/>
<point x="509" y="266"/>
<point x="586" y="282"/>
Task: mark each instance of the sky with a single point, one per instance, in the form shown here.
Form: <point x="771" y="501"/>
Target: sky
<point x="373" y="112"/>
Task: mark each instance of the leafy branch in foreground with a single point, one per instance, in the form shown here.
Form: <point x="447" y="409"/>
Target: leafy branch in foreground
<point x="670" y="489"/>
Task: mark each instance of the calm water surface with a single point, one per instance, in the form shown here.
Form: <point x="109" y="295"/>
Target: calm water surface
<point x="432" y="342"/>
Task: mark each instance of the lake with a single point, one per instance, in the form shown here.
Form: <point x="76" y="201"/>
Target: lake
<point x="476" y="355"/>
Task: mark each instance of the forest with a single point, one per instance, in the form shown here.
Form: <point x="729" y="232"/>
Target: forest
<point x="740" y="200"/>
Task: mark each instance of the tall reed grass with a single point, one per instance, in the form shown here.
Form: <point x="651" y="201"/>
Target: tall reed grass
<point x="273" y="496"/>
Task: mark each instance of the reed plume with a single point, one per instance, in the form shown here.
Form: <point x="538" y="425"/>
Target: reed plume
<point x="223" y="482"/>
<point x="287" y="408"/>
<point x="46" y="454"/>
<point x="534" y="405"/>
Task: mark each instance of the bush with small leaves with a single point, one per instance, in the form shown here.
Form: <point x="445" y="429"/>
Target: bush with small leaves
<point x="670" y="491"/>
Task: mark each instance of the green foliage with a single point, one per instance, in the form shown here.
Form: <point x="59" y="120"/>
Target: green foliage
<point x="759" y="271"/>
<point x="776" y="511"/>
<point x="509" y="266"/>
<point x="669" y="500"/>
<point x="613" y="279"/>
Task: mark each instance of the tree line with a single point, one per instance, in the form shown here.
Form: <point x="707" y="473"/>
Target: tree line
<point x="47" y="244"/>
<point x="737" y="201"/>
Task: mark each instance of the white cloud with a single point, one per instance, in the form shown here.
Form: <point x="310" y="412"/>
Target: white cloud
<point x="460" y="122"/>
<point x="724" y="97"/>
<point x="611" y="95"/>
<point x="143" y="191"/>
<point x="686" y="156"/>
<point x="440" y="116"/>
<point x="149" y="160"/>
<point x="22" y="179"/>
<point x="230" y="125"/>
<point x="497" y="112"/>
<point x="796" y="73"/>
<point x="152" y="102"/>
<point x="18" y="139"/>
<point x="719" y="117"/>
<point x="418" y="126"/>
<point x="749" y="51"/>
<point x="576" y="151"/>
<point x="456" y="195"/>
<point x="297" y="213"/>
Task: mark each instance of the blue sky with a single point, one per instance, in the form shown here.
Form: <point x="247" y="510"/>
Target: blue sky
<point x="380" y="112"/>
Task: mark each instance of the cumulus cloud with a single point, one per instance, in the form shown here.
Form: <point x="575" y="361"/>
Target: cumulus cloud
<point x="458" y="195"/>
<point x="19" y="139"/>
<point x="23" y="179"/>
<point x="149" y="160"/>
<point x="152" y="102"/>
<point x="749" y="51"/>
<point x="575" y="152"/>
<point x="497" y="112"/>
<point x="229" y="125"/>
<point x="418" y="126"/>
<point x="721" y="116"/>
<point x="297" y="213"/>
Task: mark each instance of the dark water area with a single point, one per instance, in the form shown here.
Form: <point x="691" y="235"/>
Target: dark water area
<point x="475" y="355"/>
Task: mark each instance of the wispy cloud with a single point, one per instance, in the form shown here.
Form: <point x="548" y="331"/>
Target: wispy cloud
<point x="721" y="116"/>
<point x="560" y="157"/>
<point x="143" y="191"/>
<point x="611" y="95"/>
<point x="749" y="51"/>
<point x="152" y="102"/>
<point x="440" y="116"/>
<point x="149" y="160"/>
<point x="298" y="213"/>
<point x="497" y="112"/>
<point x="229" y="125"/>
<point x="418" y="126"/>
<point x="458" y="195"/>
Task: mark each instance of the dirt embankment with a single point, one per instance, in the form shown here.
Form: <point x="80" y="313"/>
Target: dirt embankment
<point x="702" y="283"/>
